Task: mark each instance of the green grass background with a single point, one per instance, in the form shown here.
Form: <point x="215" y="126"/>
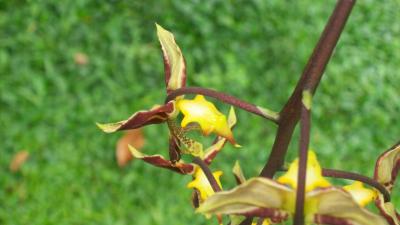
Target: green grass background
<point x="251" y="49"/>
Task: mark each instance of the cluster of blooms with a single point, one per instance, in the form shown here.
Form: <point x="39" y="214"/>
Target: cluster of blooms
<point x="272" y="200"/>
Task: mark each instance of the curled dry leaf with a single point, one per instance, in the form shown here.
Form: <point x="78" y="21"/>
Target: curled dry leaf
<point x="132" y="137"/>
<point x="18" y="160"/>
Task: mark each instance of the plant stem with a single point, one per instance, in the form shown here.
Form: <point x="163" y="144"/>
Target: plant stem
<point x="354" y="176"/>
<point x="313" y="71"/>
<point x="303" y="157"/>
<point x="208" y="173"/>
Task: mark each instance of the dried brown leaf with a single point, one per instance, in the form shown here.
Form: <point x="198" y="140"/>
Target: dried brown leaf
<point x="81" y="58"/>
<point x="18" y="160"/>
<point x="132" y="137"/>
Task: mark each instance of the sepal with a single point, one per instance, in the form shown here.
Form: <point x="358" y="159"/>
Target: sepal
<point x="174" y="62"/>
<point x="386" y="169"/>
<point x="160" y="161"/>
<point x="157" y="114"/>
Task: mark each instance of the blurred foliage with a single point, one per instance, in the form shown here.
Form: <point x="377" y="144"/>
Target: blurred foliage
<point x="252" y="49"/>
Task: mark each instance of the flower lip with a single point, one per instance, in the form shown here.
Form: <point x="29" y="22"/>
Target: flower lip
<point x="314" y="177"/>
<point x="204" y="113"/>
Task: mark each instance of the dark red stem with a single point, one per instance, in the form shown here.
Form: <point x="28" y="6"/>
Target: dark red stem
<point x="354" y="176"/>
<point x="302" y="173"/>
<point x="290" y="114"/>
<point x="208" y="173"/>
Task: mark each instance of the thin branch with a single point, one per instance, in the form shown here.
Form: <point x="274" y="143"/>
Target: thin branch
<point x="354" y="176"/>
<point x="208" y="173"/>
<point x="290" y="114"/>
<point x="263" y="112"/>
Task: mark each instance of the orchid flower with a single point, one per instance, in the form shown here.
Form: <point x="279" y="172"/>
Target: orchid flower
<point x="198" y="111"/>
<point x="324" y="203"/>
<point x="272" y="201"/>
<point x="181" y="166"/>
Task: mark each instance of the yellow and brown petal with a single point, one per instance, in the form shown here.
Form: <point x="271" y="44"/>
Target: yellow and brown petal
<point x="386" y="170"/>
<point x="159" y="161"/>
<point x="157" y="114"/>
<point x="174" y="62"/>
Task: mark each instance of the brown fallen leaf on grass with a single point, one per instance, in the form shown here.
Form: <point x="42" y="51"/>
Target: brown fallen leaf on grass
<point x="18" y="160"/>
<point x="81" y="58"/>
<point x="132" y="137"/>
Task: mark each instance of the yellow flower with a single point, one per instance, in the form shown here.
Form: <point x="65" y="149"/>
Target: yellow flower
<point x="314" y="178"/>
<point x="203" y="112"/>
<point x="361" y="195"/>
<point x="200" y="182"/>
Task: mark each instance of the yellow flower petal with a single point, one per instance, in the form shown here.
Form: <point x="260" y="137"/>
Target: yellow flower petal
<point x="203" y="112"/>
<point x="314" y="174"/>
<point x="361" y="195"/>
<point x="200" y="182"/>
